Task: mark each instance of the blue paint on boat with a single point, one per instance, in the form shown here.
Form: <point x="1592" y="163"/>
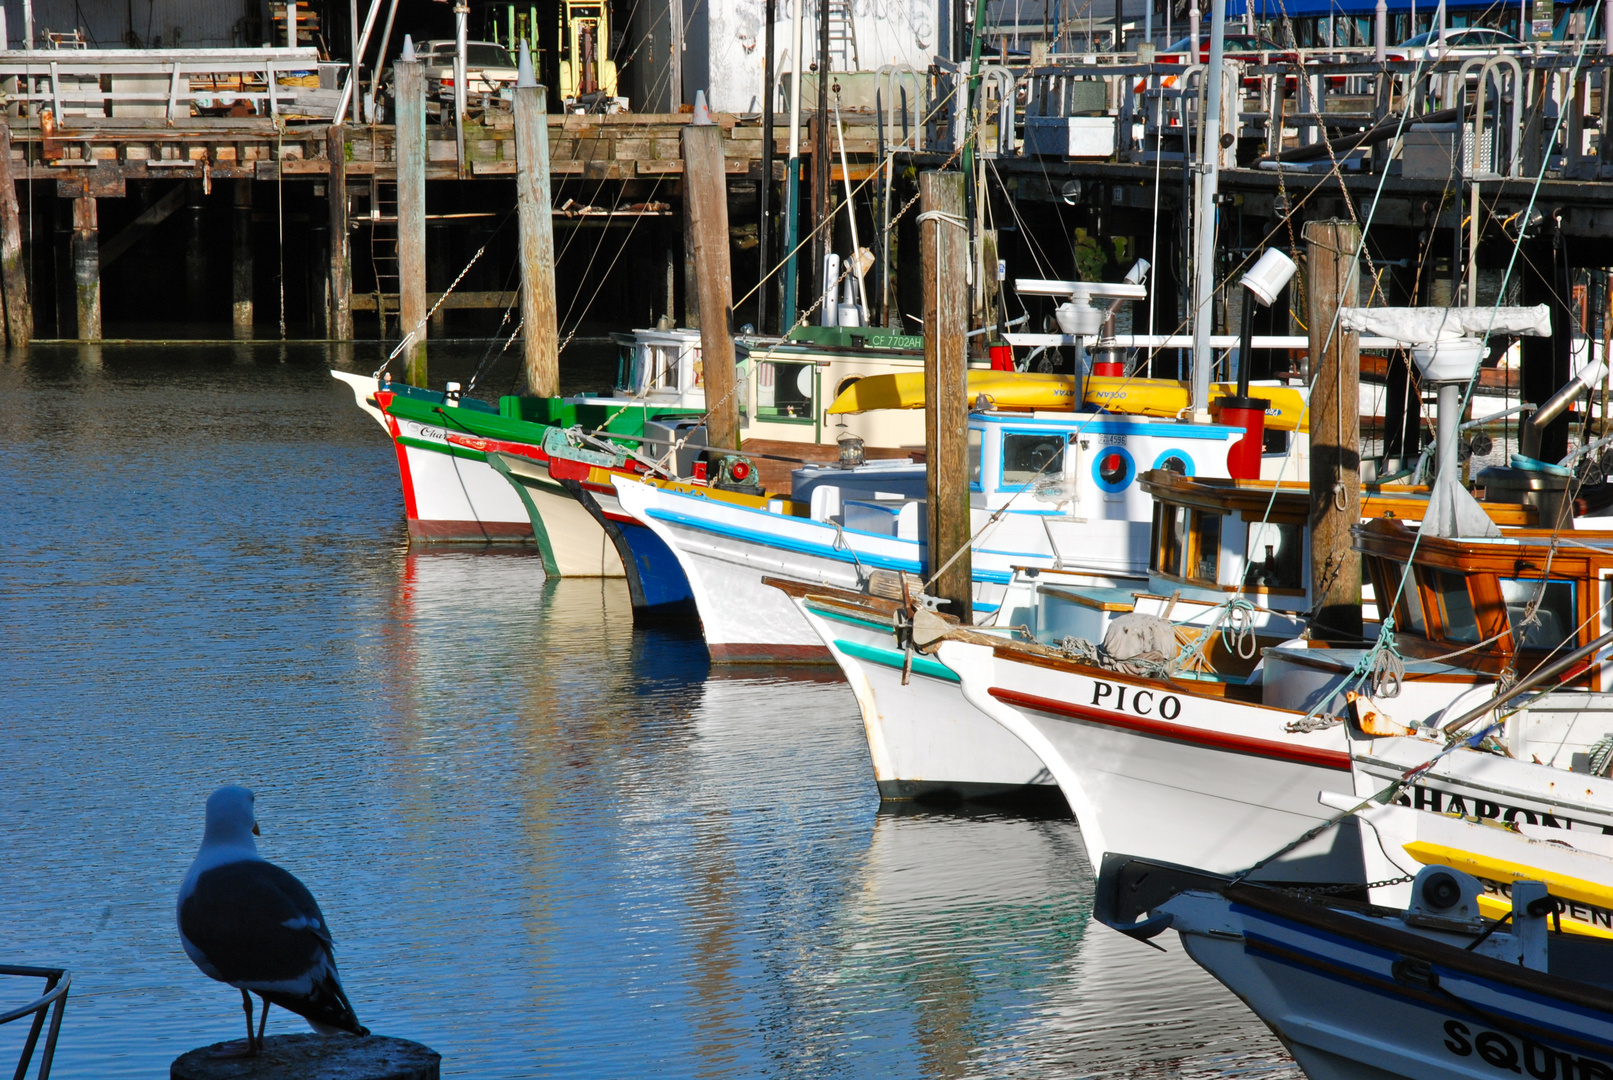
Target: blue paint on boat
<point x="662" y="584"/>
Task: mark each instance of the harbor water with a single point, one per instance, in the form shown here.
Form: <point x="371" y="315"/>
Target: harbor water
<point x="547" y="842"/>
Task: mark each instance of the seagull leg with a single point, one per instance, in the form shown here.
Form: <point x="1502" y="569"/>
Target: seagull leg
<point x="239" y="1049"/>
<point x="263" y="1022"/>
<point x="246" y="1003"/>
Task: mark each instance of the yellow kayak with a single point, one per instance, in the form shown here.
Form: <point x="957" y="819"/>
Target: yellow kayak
<point x="1167" y="397"/>
<point x="1026" y="390"/>
<point x="1011" y="389"/>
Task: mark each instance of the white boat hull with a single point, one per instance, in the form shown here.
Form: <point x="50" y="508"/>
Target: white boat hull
<point x="1354" y="1009"/>
<point x="1202" y="782"/>
<point x="925" y="740"/>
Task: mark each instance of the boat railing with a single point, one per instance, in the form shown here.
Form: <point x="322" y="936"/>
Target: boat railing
<point x="52" y="1002"/>
<point x="170" y="84"/>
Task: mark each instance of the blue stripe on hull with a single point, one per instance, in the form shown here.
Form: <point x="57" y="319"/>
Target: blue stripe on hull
<point x="661" y="579"/>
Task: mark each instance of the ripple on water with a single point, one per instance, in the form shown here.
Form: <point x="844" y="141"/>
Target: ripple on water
<point x="547" y="841"/>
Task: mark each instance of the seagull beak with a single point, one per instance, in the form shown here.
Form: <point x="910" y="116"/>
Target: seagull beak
<point x="255" y="829"/>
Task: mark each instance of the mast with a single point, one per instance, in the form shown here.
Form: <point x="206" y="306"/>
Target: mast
<point x="792" y="176"/>
<point x="1209" y="167"/>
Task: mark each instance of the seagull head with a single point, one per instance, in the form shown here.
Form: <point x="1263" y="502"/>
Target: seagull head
<point x="230" y="819"/>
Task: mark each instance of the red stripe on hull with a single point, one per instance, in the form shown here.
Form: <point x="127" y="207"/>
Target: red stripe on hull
<point x="470" y="532"/>
<point x="751" y="653"/>
<point x="1216" y="740"/>
<point x="410" y="509"/>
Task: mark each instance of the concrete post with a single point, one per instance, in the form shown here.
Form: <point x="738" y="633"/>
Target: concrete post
<point x="410" y="97"/>
<point x="944" y="240"/>
<point x="540" y="334"/>
<point x="87" y="268"/>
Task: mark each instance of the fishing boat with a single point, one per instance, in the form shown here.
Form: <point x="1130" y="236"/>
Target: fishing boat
<point x="1023" y="485"/>
<point x="1432" y="991"/>
<point x="1228" y="569"/>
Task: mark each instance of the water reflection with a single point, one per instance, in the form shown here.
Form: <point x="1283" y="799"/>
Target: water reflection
<point x="546" y="841"/>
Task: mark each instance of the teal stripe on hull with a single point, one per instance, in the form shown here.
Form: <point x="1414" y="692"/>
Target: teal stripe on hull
<point x="922" y="665"/>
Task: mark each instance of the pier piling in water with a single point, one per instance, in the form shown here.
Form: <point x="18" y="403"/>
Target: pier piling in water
<point x="87" y="268"/>
<point x="944" y="240"/>
<point x="1333" y="276"/>
<point x="341" y="269"/>
<point x="705" y="200"/>
<point x="540" y="345"/>
<point x="410" y="97"/>
<point x="241" y="280"/>
<point x="13" y="276"/>
<point x="315" y="1057"/>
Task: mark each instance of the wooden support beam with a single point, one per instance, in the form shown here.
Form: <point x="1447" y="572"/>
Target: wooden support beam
<point x="13" y="277"/>
<point x="137" y="230"/>
<point x="705" y="197"/>
<point x="195" y="246"/>
<point x="1333" y="276"/>
<point x="341" y="270"/>
<point x="87" y="268"/>
<point x="410" y="98"/>
<point x="241" y="250"/>
<point x="944" y="240"/>
<point x="540" y="327"/>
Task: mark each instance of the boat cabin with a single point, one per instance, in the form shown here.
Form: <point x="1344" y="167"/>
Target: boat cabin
<point x="1473" y="596"/>
<point x="1213" y="540"/>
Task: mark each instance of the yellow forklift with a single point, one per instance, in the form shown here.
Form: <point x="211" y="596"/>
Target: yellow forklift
<point x="572" y="52"/>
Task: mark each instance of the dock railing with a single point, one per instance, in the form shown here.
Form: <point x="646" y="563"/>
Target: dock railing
<point x="52" y="1002"/>
<point x="170" y="84"/>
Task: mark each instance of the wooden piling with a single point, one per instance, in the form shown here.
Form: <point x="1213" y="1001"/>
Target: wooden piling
<point x="241" y="283"/>
<point x="1333" y="277"/>
<point x="314" y="1057"/>
<point x="705" y="198"/>
<point x="540" y="334"/>
<point x="410" y="96"/>
<point x="195" y="247"/>
<point x="691" y="267"/>
<point x="13" y="278"/>
<point x="945" y="252"/>
<point x="87" y="268"/>
<point x="341" y="256"/>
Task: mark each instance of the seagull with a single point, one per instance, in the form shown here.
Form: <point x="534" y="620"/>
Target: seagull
<point x="246" y="922"/>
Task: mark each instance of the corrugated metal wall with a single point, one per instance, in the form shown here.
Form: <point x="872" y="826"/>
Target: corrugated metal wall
<point x="199" y="24"/>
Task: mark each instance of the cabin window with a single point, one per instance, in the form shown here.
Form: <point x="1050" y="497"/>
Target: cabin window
<point x="1028" y="457"/>
<point x="784" y="390"/>
<point x="1207" y="541"/>
<point x="1170" y="537"/>
<point x="1411" y="607"/>
<point x="1276" y="555"/>
<point x="1461" y="622"/>
<point x="1555" y="620"/>
<point x="975" y="441"/>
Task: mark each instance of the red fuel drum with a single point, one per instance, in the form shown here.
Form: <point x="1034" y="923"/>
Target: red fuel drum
<point x="1243" y="457"/>
<point x="1106" y="368"/>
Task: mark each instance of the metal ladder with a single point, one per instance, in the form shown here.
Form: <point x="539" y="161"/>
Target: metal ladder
<point x="383" y="221"/>
<point x="842" y="35"/>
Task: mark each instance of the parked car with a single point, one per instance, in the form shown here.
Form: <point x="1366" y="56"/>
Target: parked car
<point x="1456" y="41"/>
<point x="489" y="72"/>
<point x="1248" y="48"/>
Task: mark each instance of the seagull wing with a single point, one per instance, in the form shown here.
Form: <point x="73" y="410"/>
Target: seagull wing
<point x="261" y="930"/>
